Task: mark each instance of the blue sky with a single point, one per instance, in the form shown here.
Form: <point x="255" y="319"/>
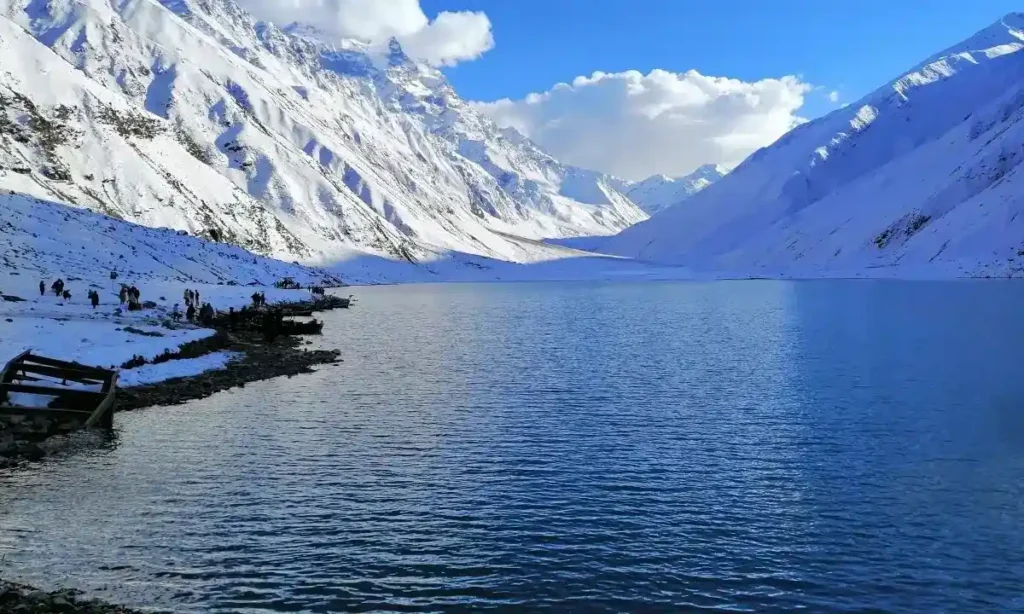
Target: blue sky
<point x="682" y="83"/>
<point x="542" y="42"/>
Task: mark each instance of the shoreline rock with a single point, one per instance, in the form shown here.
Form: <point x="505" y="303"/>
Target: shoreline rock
<point x="260" y="361"/>
<point x="23" y="599"/>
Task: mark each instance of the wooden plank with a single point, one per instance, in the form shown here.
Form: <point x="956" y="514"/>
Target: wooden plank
<point x="53" y="362"/>
<point x="52" y="391"/>
<point x="59" y="414"/>
<point x="6" y="374"/>
<point x="73" y="374"/>
<point x="104" y="413"/>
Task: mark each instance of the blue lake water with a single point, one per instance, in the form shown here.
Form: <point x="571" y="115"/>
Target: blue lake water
<point x="734" y="446"/>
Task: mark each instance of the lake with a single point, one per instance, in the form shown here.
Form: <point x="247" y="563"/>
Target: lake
<point x="731" y="446"/>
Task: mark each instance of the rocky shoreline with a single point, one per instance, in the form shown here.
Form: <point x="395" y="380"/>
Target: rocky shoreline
<point x="21" y="599"/>
<point x="285" y="357"/>
<point x="25" y="440"/>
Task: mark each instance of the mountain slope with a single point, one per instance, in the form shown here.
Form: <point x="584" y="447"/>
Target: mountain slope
<point x="659" y="192"/>
<point x="190" y="114"/>
<point x="46" y="240"/>
<point x="924" y="172"/>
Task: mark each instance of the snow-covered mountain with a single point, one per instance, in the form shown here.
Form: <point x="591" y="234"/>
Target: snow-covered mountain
<point x="923" y="173"/>
<point x="192" y="115"/>
<point x="659" y="192"/>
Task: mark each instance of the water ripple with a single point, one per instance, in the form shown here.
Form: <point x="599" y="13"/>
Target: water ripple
<point x="727" y="447"/>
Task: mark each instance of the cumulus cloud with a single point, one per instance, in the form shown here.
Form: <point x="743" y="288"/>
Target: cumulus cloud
<point x="450" y="38"/>
<point x="635" y="125"/>
<point x="833" y="96"/>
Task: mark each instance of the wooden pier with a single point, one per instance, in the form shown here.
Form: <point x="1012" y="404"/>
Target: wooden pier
<point x="36" y="386"/>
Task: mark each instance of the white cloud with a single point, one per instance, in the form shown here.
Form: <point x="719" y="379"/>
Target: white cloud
<point x="833" y="96"/>
<point x="450" y="38"/>
<point x="635" y="125"/>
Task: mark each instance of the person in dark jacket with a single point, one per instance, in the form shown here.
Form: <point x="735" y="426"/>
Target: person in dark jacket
<point x="190" y="313"/>
<point x="42" y="288"/>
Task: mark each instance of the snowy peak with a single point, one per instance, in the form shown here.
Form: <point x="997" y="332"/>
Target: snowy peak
<point x="923" y="172"/>
<point x="192" y="115"/>
<point x="659" y="192"/>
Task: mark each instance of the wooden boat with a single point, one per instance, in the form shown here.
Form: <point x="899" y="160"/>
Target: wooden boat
<point x="291" y="327"/>
<point x="77" y="393"/>
<point x="331" y="301"/>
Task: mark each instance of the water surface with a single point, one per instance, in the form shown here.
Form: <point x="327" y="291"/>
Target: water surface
<point x="732" y="446"/>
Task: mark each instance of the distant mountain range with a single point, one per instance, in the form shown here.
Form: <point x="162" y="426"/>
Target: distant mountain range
<point x="659" y="192"/>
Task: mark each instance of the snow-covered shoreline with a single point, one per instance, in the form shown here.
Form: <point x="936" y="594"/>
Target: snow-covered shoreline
<point x="44" y="241"/>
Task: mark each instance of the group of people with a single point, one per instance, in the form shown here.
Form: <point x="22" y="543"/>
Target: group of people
<point x="204" y="315"/>
<point x="58" y="289"/>
<point x="130" y="294"/>
<point x="195" y="312"/>
<point x="192" y="298"/>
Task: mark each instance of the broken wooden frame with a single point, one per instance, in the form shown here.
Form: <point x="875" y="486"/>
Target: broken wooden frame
<point x="48" y="377"/>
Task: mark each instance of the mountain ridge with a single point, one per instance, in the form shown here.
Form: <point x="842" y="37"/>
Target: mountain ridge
<point x="191" y="114"/>
<point x="658" y="192"/>
<point x="922" y="172"/>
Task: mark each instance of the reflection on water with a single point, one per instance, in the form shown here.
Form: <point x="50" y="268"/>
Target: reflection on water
<point x="640" y="447"/>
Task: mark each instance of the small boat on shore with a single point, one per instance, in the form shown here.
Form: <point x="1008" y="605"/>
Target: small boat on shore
<point x="291" y="327"/>
<point x="67" y="392"/>
<point x="332" y="302"/>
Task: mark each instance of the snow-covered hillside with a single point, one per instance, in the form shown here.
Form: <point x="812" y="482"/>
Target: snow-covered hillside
<point x="922" y="174"/>
<point x="190" y="114"/>
<point x="41" y="241"/>
<point x="45" y="240"/>
<point x="659" y="192"/>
